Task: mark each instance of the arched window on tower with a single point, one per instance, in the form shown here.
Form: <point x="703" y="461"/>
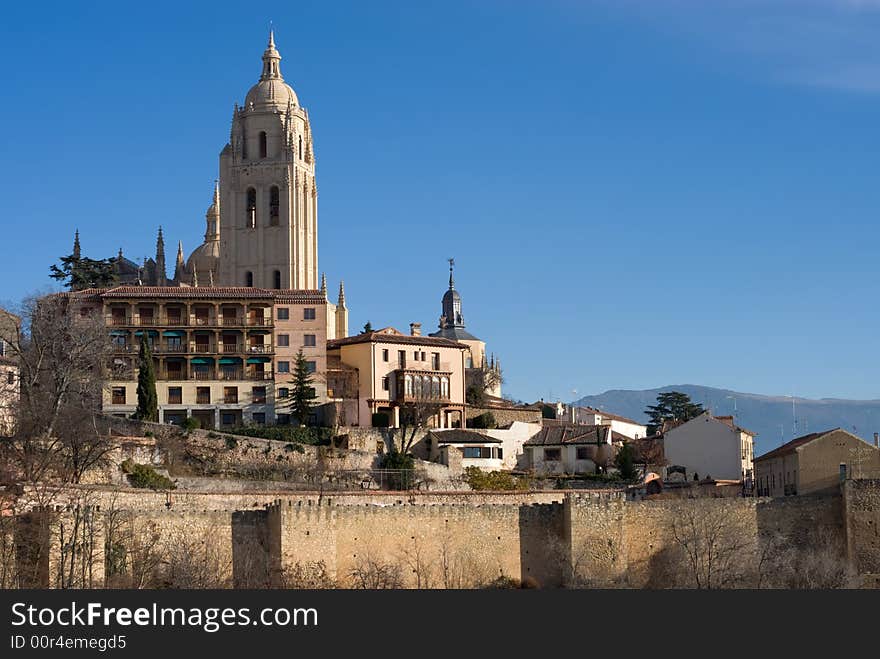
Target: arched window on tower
<point x="251" y="206"/>
<point x="274" y="204"/>
<point x="249" y="279"/>
<point x="277" y="278"/>
<point x="300" y="147"/>
<point x="263" y="148"/>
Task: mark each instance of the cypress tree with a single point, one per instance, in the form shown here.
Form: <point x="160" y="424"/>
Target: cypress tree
<point x="302" y="392"/>
<point x="148" y="401"/>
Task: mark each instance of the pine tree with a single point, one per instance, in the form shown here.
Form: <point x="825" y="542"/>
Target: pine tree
<point x="148" y="402"/>
<point x="671" y="406"/>
<point x="302" y="393"/>
<point x="367" y="328"/>
<point x="79" y="272"/>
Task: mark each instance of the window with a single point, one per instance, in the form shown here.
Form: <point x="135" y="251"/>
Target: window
<point x="283" y="340"/>
<point x="308" y="313"/>
<point x="583" y="453"/>
<point x="499" y="453"/>
<point x="283" y="420"/>
<point x="477" y="451"/>
<point x="230" y="395"/>
<point x="10" y="377"/>
<point x="422" y="356"/>
<point x="203" y="395"/>
<point x="227" y="418"/>
<point x="249" y="279"/>
<point x="175" y="395"/>
<point x="119" y="341"/>
<point x="263" y="149"/>
<point x="119" y="395"/>
<point x="259" y="418"/>
<point x="552" y="454"/>
<point x="435" y="361"/>
<point x="284" y="367"/>
<point x="251" y="209"/>
<point x="385" y="355"/>
<point x="276" y="278"/>
<point x="309" y="340"/>
<point x="283" y="313"/>
<point x="274" y="205"/>
<point x="283" y="392"/>
<point x="401" y="358"/>
<point x="385" y="386"/>
<point x="300" y="147"/>
<point x="2" y="348"/>
<point x="259" y="395"/>
<point x="311" y="367"/>
<point x="444" y="387"/>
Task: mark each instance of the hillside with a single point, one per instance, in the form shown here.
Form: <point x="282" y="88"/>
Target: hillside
<point x="769" y="416"/>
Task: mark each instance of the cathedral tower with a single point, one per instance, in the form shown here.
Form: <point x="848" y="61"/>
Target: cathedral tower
<point x="268" y="226"/>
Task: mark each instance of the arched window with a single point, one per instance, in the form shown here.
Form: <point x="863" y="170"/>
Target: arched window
<point x="300" y="147"/>
<point x="417" y="387"/>
<point x="263" y="149"/>
<point x="444" y="387"/>
<point x="274" y="204"/>
<point x="408" y="385"/>
<point x="277" y="278"/>
<point x="249" y="279"/>
<point x="251" y="206"/>
<point x="435" y="387"/>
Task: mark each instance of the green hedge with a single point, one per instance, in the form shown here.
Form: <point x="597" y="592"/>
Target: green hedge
<point x="293" y="434"/>
<point x="493" y="480"/>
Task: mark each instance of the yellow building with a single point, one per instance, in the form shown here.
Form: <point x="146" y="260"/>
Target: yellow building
<point x="385" y="372"/>
<point x="812" y="463"/>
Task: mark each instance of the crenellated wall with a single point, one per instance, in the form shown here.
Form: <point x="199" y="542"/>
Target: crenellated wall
<point x="454" y="540"/>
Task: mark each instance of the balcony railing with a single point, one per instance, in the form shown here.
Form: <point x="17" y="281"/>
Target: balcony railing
<point x="261" y="349"/>
<point x="230" y="347"/>
<point x="118" y="321"/>
<point x="203" y="348"/>
<point x="259" y="321"/>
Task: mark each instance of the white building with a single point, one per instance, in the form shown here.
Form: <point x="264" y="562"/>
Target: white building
<point x="710" y="445"/>
<point x="590" y="416"/>
<point x="489" y="449"/>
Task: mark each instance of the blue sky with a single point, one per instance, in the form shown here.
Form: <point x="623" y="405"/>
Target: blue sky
<point x="635" y="193"/>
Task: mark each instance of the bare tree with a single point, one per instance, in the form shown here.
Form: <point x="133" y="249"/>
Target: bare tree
<point x="311" y="575"/>
<point x="416" y="559"/>
<point x="414" y="416"/>
<point x="372" y="573"/>
<point x="716" y="544"/>
<point x="816" y="562"/>
<point x="61" y="352"/>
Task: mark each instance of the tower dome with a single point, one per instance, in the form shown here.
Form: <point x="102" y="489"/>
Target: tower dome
<point x="205" y="258"/>
<point x="271" y="92"/>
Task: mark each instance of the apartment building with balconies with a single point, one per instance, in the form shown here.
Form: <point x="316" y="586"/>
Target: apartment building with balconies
<point x="395" y="371"/>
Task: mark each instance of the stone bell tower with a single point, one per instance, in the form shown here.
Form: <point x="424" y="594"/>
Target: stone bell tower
<point x="269" y="200"/>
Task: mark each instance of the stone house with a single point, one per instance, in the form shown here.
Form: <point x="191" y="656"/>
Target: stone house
<point x="812" y="463"/>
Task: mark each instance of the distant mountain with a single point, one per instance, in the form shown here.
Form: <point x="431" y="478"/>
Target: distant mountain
<point x="770" y="417"/>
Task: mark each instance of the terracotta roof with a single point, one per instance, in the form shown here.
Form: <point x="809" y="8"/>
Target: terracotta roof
<point x="609" y="415"/>
<point x="459" y="436"/>
<point x="204" y="292"/>
<point x="571" y="434"/>
<point x="391" y="335"/>
<point x="790" y="446"/>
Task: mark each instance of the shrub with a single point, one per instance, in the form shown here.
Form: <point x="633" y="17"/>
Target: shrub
<point x="493" y="480"/>
<point x="485" y="420"/>
<point x="625" y="462"/>
<point x="380" y="420"/>
<point x="294" y="447"/>
<point x="191" y="424"/>
<point x="404" y="463"/>
<point x="145" y="477"/>
<point x="231" y="442"/>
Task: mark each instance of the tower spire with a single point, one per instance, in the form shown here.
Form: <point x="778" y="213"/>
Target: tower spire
<point x="76" y="249"/>
<point x="324" y="284"/>
<point x="179" y="267"/>
<point x="451" y="280"/>
<point x="161" y="275"/>
<point x="341" y="301"/>
<point x="212" y="216"/>
<point x="271" y="60"/>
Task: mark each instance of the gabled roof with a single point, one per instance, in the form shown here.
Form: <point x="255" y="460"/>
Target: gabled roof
<point x="391" y="335"/>
<point x="571" y="434"/>
<point x="792" y="445"/>
<point x="707" y="416"/>
<point x="609" y="415"/>
<point x="460" y="436"/>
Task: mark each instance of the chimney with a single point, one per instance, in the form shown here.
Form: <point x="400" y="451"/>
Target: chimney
<point x="877" y="439"/>
<point x="415" y="329"/>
